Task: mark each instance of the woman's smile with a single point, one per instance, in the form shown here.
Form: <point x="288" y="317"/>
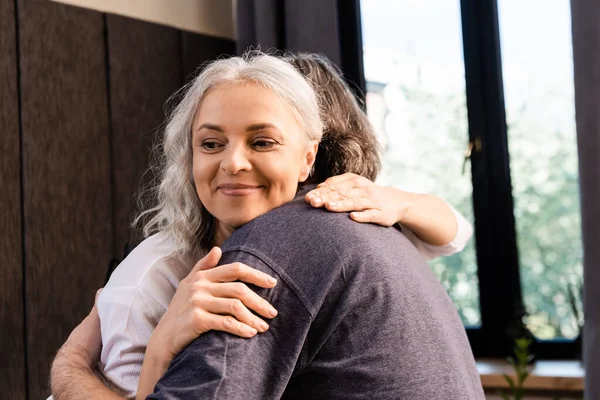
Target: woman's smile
<point x="238" y="189"/>
<point x="249" y="152"/>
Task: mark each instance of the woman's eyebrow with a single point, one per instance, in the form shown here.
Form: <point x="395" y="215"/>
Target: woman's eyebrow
<point x="211" y="127"/>
<point x="260" y="127"/>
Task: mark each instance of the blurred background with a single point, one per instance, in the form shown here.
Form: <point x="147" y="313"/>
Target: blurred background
<point x="474" y="101"/>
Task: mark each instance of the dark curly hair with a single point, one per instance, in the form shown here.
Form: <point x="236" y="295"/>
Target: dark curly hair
<point x="349" y="143"/>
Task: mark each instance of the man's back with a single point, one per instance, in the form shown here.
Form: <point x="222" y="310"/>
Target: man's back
<point x="360" y="316"/>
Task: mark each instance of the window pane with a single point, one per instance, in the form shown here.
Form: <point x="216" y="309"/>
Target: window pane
<point x="538" y="85"/>
<point x="417" y="102"/>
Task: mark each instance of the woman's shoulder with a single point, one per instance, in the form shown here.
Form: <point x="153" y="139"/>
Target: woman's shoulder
<point x="154" y="258"/>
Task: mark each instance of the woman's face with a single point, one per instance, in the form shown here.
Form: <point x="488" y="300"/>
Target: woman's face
<point x="249" y="153"/>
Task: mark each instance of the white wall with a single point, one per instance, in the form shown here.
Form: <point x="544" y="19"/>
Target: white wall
<point x="209" y="17"/>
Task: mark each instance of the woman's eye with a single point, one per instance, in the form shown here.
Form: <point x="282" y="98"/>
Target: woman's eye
<point x="263" y="144"/>
<point x="210" y="145"/>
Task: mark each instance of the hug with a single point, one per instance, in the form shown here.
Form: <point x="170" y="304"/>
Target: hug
<point x="272" y="265"/>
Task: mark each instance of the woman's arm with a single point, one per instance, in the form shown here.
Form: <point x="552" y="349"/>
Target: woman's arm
<point x="431" y="219"/>
<point x="207" y="299"/>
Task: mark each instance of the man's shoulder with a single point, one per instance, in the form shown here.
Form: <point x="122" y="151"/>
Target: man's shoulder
<point x="297" y="221"/>
<point x="299" y="240"/>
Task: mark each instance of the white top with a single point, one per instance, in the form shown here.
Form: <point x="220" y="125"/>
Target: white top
<point x="141" y="287"/>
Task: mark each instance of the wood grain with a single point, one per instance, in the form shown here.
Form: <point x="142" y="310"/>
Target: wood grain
<point x="144" y="71"/>
<point x="67" y="210"/>
<point x="12" y="367"/>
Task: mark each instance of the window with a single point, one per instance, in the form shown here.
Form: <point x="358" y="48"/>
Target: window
<point x="416" y="100"/>
<point x="538" y="90"/>
<point x="442" y="76"/>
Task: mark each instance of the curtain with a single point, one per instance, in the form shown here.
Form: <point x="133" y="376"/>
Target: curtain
<point x="586" y="51"/>
<point x="329" y="27"/>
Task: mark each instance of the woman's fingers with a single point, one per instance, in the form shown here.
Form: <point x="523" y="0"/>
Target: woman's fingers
<point x="240" y="272"/>
<point x="338" y="181"/>
<point x="324" y="196"/>
<point x="319" y="196"/>
<point x="211" y="259"/>
<point x="237" y="290"/>
<point x="354" y="203"/>
<point x="227" y="323"/>
<point x="207" y="262"/>
<point x="239" y="311"/>
<point x="315" y="196"/>
<point x="373" y="216"/>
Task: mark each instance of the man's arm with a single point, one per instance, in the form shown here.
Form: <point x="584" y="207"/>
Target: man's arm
<point x="71" y="376"/>
<point x="72" y="379"/>
<point x="219" y="365"/>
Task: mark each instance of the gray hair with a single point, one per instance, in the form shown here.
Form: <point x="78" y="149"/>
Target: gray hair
<point x="177" y="211"/>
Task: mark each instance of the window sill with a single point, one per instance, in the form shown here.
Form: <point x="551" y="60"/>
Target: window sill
<point x="545" y="375"/>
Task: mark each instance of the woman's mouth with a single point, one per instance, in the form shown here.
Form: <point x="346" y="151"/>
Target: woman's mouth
<point x="238" y="189"/>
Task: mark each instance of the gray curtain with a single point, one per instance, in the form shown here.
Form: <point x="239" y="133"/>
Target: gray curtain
<point x="328" y="27"/>
<point x="308" y="25"/>
<point x="586" y="56"/>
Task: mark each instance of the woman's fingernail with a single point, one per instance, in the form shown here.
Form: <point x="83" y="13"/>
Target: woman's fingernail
<point x="250" y="331"/>
<point x="272" y="281"/>
<point x="264" y="326"/>
<point x="332" y="204"/>
<point x="318" y="200"/>
<point x="272" y="311"/>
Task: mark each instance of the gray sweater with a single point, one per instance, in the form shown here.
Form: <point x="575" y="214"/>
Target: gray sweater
<point x="361" y="316"/>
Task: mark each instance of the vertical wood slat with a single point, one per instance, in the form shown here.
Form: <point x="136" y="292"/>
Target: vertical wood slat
<point x="66" y="188"/>
<point x="12" y="346"/>
<point x="144" y="70"/>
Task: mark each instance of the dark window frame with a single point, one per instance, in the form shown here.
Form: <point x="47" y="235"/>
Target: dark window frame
<point x="501" y="299"/>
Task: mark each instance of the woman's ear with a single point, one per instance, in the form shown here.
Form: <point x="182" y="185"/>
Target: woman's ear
<point x="311" y="156"/>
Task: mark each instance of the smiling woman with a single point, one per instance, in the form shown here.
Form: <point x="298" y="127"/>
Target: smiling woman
<point x="224" y="107"/>
<point x="249" y="154"/>
<point x="243" y="137"/>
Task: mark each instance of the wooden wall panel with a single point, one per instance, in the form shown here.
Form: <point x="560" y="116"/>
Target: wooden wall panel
<point x="198" y="49"/>
<point x="12" y="366"/>
<point x="67" y="210"/>
<point x="144" y="70"/>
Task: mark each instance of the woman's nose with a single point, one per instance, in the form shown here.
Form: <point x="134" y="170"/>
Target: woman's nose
<point x="235" y="160"/>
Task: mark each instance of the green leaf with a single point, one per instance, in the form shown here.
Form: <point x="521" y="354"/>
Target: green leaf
<point x="511" y="383"/>
<point x="504" y="396"/>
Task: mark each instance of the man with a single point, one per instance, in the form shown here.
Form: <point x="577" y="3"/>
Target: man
<point x="361" y="315"/>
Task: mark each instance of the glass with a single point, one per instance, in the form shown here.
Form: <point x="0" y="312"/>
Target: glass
<point x="416" y="99"/>
<point x="537" y="70"/>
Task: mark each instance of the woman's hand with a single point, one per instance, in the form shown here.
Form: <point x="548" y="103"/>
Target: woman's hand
<point x="431" y="220"/>
<point x="209" y="298"/>
<point x="367" y="201"/>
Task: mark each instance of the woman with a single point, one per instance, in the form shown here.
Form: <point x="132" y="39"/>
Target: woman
<point x="246" y="161"/>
